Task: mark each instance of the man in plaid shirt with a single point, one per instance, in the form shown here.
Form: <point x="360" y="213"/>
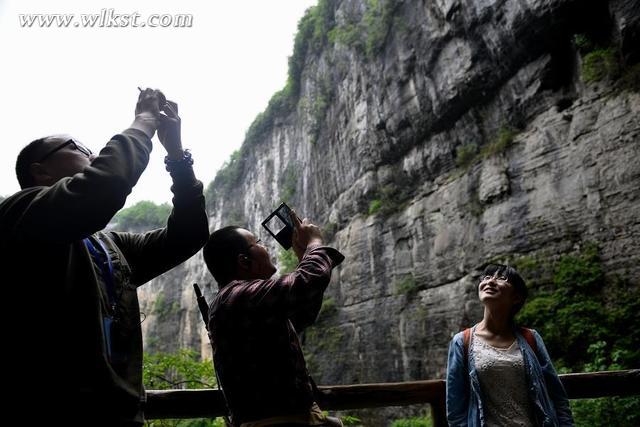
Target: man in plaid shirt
<point x="254" y="323"/>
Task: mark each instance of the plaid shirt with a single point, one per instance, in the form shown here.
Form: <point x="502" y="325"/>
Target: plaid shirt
<point x="253" y="330"/>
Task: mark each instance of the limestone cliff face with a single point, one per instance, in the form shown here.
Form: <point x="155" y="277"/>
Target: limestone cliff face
<point x="170" y="316"/>
<point x="429" y="137"/>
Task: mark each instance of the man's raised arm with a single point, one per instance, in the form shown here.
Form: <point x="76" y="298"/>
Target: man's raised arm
<point x="76" y="206"/>
<point x="151" y="254"/>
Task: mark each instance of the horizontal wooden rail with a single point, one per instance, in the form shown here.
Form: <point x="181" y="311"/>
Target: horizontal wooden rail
<point x="209" y="403"/>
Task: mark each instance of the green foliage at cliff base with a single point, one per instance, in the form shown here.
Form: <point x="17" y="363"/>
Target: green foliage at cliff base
<point x="589" y="322"/>
<point x="425" y="421"/>
<point x="180" y="370"/>
<point x="197" y="422"/>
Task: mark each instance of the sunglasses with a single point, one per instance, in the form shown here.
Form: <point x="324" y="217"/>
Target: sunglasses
<point x="76" y="145"/>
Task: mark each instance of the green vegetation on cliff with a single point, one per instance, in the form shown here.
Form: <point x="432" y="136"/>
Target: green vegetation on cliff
<point x="603" y="61"/>
<point x="407" y="285"/>
<point x="369" y="34"/>
<point x="589" y="322"/>
<point x="310" y="38"/>
<point x="467" y="155"/>
<point x="393" y="196"/>
<point x="600" y="64"/>
<point x="316" y="28"/>
<point x="164" y="309"/>
<point x="144" y="214"/>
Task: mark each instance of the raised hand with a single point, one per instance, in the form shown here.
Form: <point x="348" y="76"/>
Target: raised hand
<point x="169" y="130"/>
<point x="305" y="234"/>
<point x="149" y="102"/>
<point x="148" y="111"/>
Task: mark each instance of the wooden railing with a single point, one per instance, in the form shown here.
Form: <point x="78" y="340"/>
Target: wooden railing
<point x="210" y="403"/>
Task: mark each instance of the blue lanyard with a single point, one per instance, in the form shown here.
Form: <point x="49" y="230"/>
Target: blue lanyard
<point x="103" y="260"/>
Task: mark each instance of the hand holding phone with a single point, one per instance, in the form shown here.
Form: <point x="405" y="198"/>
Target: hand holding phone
<point x="305" y="234"/>
<point x="280" y="225"/>
<point x="289" y="230"/>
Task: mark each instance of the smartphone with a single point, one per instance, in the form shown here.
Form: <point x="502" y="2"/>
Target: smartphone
<point x="280" y="225"/>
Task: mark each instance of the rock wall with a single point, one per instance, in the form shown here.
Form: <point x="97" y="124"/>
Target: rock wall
<point x="465" y="133"/>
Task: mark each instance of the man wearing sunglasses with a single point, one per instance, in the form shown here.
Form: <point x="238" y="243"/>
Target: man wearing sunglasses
<point x="76" y="337"/>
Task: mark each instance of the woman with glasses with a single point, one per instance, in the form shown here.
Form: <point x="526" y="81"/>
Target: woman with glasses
<point x="499" y="374"/>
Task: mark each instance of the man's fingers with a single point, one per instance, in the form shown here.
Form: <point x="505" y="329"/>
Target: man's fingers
<point x="172" y="106"/>
<point x="294" y="219"/>
<point x="147" y="93"/>
<point x="150" y="100"/>
<point x="161" y="98"/>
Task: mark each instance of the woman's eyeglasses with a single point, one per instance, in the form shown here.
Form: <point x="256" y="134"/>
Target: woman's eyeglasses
<point x="76" y="145"/>
<point x="498" y="277"/>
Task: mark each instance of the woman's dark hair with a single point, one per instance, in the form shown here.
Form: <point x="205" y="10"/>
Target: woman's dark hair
<point x="221" y="253"/>
<point x="514" y="278"/>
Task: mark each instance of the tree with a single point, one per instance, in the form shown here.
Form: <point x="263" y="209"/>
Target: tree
<point x="181" y="370"/>
<point x="143" y="215"/>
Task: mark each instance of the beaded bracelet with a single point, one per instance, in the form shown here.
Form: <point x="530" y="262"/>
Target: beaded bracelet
<point x="186" y="160"/>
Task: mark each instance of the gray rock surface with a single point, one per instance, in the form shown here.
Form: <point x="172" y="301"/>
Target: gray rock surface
<point x="451" y="77"/>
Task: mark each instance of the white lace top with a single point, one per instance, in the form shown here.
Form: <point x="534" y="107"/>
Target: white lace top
<point x="503" y="384"/>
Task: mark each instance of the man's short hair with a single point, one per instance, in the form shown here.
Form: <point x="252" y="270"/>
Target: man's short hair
<point x="27" y="156"/>
<point x="221" y="253"/>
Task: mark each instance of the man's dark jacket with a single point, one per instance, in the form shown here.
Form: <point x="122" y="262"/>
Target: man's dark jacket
<point x="55" y="298"/>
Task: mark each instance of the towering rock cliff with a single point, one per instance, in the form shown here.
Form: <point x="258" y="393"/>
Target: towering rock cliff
<point x="428" y="138"/>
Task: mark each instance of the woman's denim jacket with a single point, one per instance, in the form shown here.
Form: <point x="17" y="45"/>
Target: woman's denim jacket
<point x="547" y="395"/>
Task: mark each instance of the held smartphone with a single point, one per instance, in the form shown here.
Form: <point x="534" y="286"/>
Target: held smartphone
<point x="280" y="225"/>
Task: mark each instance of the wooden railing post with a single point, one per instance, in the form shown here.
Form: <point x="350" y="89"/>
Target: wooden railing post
<point x="439" y="413"/>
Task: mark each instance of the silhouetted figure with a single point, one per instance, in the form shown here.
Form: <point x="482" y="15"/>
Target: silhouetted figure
<point x="254" y="321"/>
<point x="73" y="351"/>
<point x="499" y="374"/>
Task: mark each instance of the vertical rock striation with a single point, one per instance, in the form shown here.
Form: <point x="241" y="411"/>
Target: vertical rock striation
<point x="429" y="137"/>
